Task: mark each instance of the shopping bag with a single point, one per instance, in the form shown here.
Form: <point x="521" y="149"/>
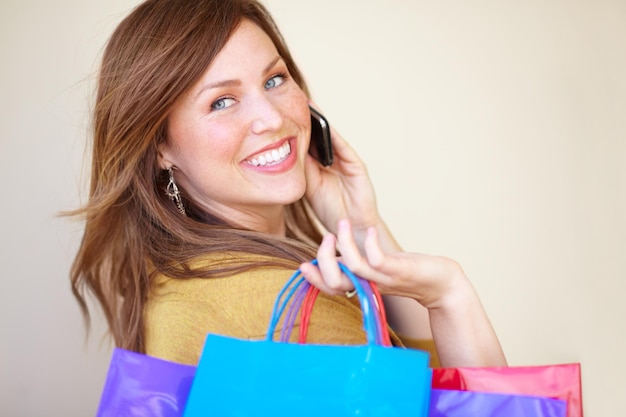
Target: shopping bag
<point x="273" y="378"/>
<point x="562" y="381"/>
<point x="453" y="403"/>
<point x="141" y="385"/>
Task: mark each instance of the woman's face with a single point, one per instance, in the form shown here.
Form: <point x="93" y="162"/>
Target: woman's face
<point x="239" y="138"/>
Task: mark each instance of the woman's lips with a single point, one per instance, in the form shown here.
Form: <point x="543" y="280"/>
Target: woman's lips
<point x="271" y="156"/>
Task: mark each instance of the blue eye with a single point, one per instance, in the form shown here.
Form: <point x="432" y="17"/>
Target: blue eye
<point x="222" y="103"/>
<point x="275" y="81"/>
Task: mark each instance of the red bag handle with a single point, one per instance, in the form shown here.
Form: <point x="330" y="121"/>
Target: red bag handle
<point x="309" y="301"/>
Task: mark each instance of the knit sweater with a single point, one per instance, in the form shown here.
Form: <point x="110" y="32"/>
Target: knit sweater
<point x="180" y="312"/>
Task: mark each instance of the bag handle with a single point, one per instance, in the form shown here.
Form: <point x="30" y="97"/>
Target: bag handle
<point x="297" y="288"/>
<point x="305" y="315"/>
<point x="309" y="301"/>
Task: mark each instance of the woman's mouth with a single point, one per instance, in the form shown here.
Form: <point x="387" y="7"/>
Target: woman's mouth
<point x="271" y="156"/>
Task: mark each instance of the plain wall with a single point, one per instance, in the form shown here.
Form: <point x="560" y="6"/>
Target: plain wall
<point x="495" y="133"/>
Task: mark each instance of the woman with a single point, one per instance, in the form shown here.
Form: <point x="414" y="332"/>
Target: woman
<point x="204" y="199"/>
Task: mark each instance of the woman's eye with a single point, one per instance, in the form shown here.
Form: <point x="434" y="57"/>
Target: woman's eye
<point x="222" y="103"/>
<point x="275" y="81"/>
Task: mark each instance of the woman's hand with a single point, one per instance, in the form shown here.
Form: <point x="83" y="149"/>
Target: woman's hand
<point x="427" y="279"/>
<point x="343" y="190"/>
<point x="461" y="329"/>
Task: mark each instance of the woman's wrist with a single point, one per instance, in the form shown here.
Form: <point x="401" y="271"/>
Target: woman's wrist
<point x="461" y="328"/>
<point x="454" y="288"/>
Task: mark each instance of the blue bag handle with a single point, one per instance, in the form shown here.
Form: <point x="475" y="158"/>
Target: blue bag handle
<point x="370" y="319"/>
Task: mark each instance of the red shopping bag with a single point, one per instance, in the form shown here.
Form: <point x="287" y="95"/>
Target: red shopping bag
<point x="561" y="382"/>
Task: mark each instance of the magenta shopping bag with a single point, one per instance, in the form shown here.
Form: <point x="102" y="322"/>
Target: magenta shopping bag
<point x="453" y="403"/>
<point x="561" y="381"/>
<point x="141" y="385"/>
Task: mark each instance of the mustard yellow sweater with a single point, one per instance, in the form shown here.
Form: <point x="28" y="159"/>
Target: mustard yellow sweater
<point x="180" y="312"/>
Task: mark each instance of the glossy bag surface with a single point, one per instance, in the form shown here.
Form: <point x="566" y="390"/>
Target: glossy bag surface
<point x="453" y="403"/>
<point x="562" y="381"/>
<point x="141" y="385"/>
<point x="244" y="378"/>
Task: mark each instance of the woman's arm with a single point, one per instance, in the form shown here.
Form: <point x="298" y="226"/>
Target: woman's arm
<point x="425" y="296"/>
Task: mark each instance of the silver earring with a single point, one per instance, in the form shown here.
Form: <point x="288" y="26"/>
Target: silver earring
<point x="172" y="192"/>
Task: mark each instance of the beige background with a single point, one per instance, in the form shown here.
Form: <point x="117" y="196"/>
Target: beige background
<point x="495" y="132"/>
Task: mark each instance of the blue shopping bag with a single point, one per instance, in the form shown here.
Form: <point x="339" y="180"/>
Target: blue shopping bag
<point x="271" y="378"/>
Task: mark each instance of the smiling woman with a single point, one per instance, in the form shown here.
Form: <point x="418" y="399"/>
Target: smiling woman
<point x="239" y="138"/>
<point x="204" y="199"/>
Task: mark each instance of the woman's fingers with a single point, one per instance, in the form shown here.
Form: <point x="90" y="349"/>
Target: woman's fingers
<point x="373" y="251"/>
<point x="327" y="263"/>
<point x="349" y="249"/>
<point x="352" y="256"/>
<point x="326" y="275"/>
<point x="395" y="273"/>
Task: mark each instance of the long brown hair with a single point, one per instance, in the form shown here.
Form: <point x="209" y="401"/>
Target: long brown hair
<point x="132" y="230"/>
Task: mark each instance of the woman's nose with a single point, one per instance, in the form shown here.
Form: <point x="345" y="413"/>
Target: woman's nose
<point x="266" y="116"/>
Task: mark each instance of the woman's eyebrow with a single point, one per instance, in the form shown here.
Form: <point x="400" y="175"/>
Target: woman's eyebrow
<point x="233" y="83"/>
<point x="217" y="84"/>
<point x="271" y="64"/>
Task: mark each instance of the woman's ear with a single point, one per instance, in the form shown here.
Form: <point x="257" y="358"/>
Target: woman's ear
<point x="163" y="160"/>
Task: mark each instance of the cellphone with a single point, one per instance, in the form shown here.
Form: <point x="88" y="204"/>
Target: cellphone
<point x="320" y="147"/>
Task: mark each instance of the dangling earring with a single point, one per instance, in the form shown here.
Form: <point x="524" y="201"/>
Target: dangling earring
<point x="172" y="192"/>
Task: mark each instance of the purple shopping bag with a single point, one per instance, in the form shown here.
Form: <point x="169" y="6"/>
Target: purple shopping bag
<point x="141" y="385"/>
<point x="453" y="403"/>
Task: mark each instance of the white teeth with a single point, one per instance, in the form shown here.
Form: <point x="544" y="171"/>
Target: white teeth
<point x="271" y="157"/>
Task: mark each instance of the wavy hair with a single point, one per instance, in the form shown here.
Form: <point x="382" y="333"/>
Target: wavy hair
<point x="132" y="230"/>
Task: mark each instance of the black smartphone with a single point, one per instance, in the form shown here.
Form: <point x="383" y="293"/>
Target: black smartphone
<point x="320" y="147"/>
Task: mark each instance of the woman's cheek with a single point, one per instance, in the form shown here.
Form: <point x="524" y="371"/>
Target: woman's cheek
<point x="301" y="102"/>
